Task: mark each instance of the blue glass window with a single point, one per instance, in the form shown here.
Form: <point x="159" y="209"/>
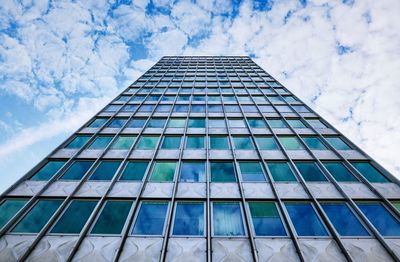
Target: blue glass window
<point x="151" y="218"/>
<point x="276" y="123"/>
<point x="266" y="219"/>
<point x="197" y="123"/>
<point x="117" y="122"/>
<point x="296" y="123"/>
<point x="147" y="142"/>
<point x="257" y="123"/>
<point x="222" y="172"/>
<point x="267" y="143"/>
<point x="77" y="170"/>
<point x="217" y="123"/>
<point x="48" y="170"/>
<point x="314" y="143"/>
<point x="251" y="171"/>
<point x="98" y="122"/>
<point x="305" y="220"/>
<point x="195" y="142"/>
<point x="78" y="142"/>
<point x="291" y="143"/>
<point x="219" y="142"/>
<point x="177" y="122"/>
<point x="101" y="142"/>
<point x="338" y="143"/>
<point x="136" y="123"/>
<point x="8" y="209"/>
<point x="316" y="123"/>
<point x="239" y="123"/>
<point x="227" y="219"/>
<point x="310" y="171"/>
<point x="189" y="219"/>
<point x="156" y="122"/>
<point x="193" y="172"/>
<point x="171" y="142"/>
<point x="243" y="143"/>
<point x="105" y="170"/>
<point x="370" y="172"/>
<point x="339" y="172"/>
<point x="381" y="218"/>
<point x="134" y="170"/>
<point x="123" y="142"/>
<point x="112" y="218"/>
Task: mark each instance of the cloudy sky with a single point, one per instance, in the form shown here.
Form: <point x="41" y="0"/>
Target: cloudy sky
<point x="60" y="62"/>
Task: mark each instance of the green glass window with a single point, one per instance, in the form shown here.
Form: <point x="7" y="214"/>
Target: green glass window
<point x="195" y="142"/>
<point x="338" y="143"/>
<point x="147" y="142"/>
<point x="227" y="219"/>
<point x="70" y="222"/>
<point x="267" y="143"/>
<point x="339" y="172"/>
<point x="276" y="123"/>
<point x="151" y="218"/>
<point x="124" y="142"/>
<point x="78" y="142"/>
<point x="37" y="217"/>
<point x="314" y="143"/>
<point x="193" y="172"/>
<point x="266" y="219"/>
<point x="222" y="172"/>
<point x="177" y="122"/>
<point x="242" y="142"/>
<point x="219" y="142"/>
<point x="105" y="170"/>
<point x="163" y="172"/>
<point x="370" y="172"/>
<point x="395" y="203"/>
<point x="251" y="171"/>
<point x="189" y="219"/>
<point x="156" y="122"/>
<point x="281" y="172"/>
<point x="171" y="142"/>
<point x="48" y="170"/>
<point x="112" y="218"/>
<point x="296" y="123"/>
<point x="8" y="209"/>
<point x="77" y="170"/>
<point x="196" y="123"/>
<point x="101" y="142"/>
<point x="316" y="123"/>
<point x="291" y="143"/>
<point x="310" y="171"/>
<point x="134" y="170"/>
<point x="257" y="123"/>
<point x="98" y="122"/>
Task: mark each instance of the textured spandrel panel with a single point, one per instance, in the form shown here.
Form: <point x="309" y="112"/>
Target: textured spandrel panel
<point x="389" y="190"/>
<point x="325" y="154"/>
<point x="88" y="130"/>
<point x="60" y="188"/>
<point x="366" y="250"/>
<point x="64" y="153"/>
<point x="109" y="130"/>
<point x="141" y="249"/>
<point x="276" y="250"/>
<point x="216" y="131"/>
<point x="194" y="154"/>
<point x="298" y="154"/>
<point x="125" y="189"/>
<point x="227" y="250"/>
<point x="186" y="249"/>
<point x="324" y="190"/>
<point x="97" y="249"/>
<point x="141" y="154"/>
<point x="395" y="245"/>
<point x="351" y="154"/>
<point x="272" y="154"/>
<point x="53" y="248"/>
<point x="260" y="131"/>
<point x="28" y="188"/>
<point x="257" y="190"/>
<point x="12" y="247"/>
<point x="220" y="154"/>
<point x="239" y="131"/>
<point x="290" y="190"/>
<point x="91" y="153"/>
<point x="116" y="154"/>
<point x="191" y="190"/>
<point x="158" y="189"/>
<point x="131" y="131"/>
<point x="193" y="131"/>
<point x="357" y="190"/>
<point x="224" y="190"/>
<point x="152" y="131"/>
<point x="94" y="189"/>
<point x="174" y="131"/>
<point x="246" y="154"/>
<point x="320" y="250"/>
<point x="168" y="154"/>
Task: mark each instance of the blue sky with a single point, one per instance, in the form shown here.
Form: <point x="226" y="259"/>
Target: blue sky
<point x="61" y="61"/>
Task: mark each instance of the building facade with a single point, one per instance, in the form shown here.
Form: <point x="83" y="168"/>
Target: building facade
<point x="203" y="159"/>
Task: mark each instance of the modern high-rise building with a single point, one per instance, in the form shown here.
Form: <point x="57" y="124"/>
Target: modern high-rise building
<point x="203" y="159"/>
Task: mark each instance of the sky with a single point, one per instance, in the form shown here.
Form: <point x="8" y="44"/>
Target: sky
<point x="62" y="61"/>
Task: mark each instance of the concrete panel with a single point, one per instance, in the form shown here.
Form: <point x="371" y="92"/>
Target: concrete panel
<point x="99" y="249"/>
<point x="323" y="190"/>
<point x="12" y="247"/>
<point x="357" y="190"/>
<point x="53" y="248"/>
<point x="141" y="249"/>
<point x="60" y="188"/>
<point x="93" y="189"/>
<point x="186" y="249"/>
<point x="257" y="190"/>
<point x="276" y="250"/>
<point x="366" y="250"/>
<point x="224" y="190"/>
<point x="388" y="190"/>
<point x="191" y="190"/>
<point x="158" y="189"/>
<point x="321" y="250"/>
<point x="125" y="189"/>
<point x="227" y="250"/>
<point x="290" y="190"/>
<point x="28" y="188"/>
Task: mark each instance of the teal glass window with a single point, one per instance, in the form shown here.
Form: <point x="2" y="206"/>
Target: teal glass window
<point x="338" y="143"/>
<point x="136" y="123"/>
<point x="177" y="123"/>
<point x="266" y="219"/>
<point x="48" y="170"/>
<point x="98" y="122"/>
<point x="216" y="123"/>
<point x="189" y="219"/>
<point x="267" y="143"/>
<point x="305" y="220"/>
<point x="70" y="222"/>
<point x="193" y="172"/>
<point x="370" y="172"/>
<point x="105" y="170"/>
<point x="197" y="123"/>
<point x="316" y="123"/>
<point x="134" y="170"/>
<point x="227" y="219"/>
<point x="171" y="142"/>
<point x="163" y="171"/>
<point x="147" y="142"/>
<point x="123" y="142"/>
<point x="219" y="142"/>
<point x="314" y="143"/>
<point x="257" y="123"/>
<point x="78" y="142"/>
<point x="281" y="172"/>
<point x="156" y="123"/>
<point x="195" y="142"/>
<point x="276" y="123"/>
<point x="77" y="170"/>
<point x="381" y="218"/>
<point x="117" y="122"/>
<point x="8" y="209"/>
<point x="151" y="218"/>
<point x="101" y="142"/>
<point x="112" y="218"/>
<point x="222" y="172"/>
<point x="339" y="172"/>
<point x="251" y="171"/>
<point x="291" y="143"/>
<point x="310" y="171"/>
<point x="237" y="123"/>
<point x="296" y="123"/>
<point x="37" y="216"/>
<point x="243" y="143"/>
<point x="343" y="219"/>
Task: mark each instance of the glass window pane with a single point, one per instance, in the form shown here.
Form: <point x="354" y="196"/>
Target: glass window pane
<point x="38" y="216"/>
<point x="171" y="142"/>
<point x="381" y="218"/>
<point x="151" y="218"/>
<point x="195" y="142"/>
<point x="281" y="172"/>
<point x="227" y="219"/>
<point x="72" y="223"/>
<point x="370" y="172"/>
<point x="291" y="143"/>
<point x="112" y="218"/>
<point x="267" y="143"/>
<point x="78" y="142"/>
<point x="98" y="122"/>
<point x="77" y="170"/>
<point x="193" y="172"/>
<point x="276" y="123"/>
<point x="266" y="219"/>
<point x="9" y="208"/>
<point x="239" y="123"/>
<point x="48" y="170"/>
<point x="117" y="122"/>
<point x="124" y="142"/>
<point x="147" y="142"/>
<point x="136" y="123"/>
<point x="339" y="172"/>
<point x="251" y="171"/>
<point x="134" y="171"/>
<point x="101" y="142"/>
<point x="257" y="123"/>
<point x="105" y="170"/>
<point x="305" y="220"/>
<point x="219" y="142"/>
<point x="310" y="171"/>
<point x="316" y="123"/>
<point x="177" y="122"/>
<point x="189" y="219"/>
<point x="222" y="172"/>
<point x="163" y="171"/>
<point x="156" y="122"/>
<point x="196" y="123"/>
<point x="244" y="143"/>
<point x="314" y="143"/>
<point x="344" y="220"/>
<point x="218" y="123"/>
<point x="338" y="143"/>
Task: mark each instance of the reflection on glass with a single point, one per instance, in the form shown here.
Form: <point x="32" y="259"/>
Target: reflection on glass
<point x="305" y="220"/>
<point x="151" y="218"/>
<point x="193" y="172"/>
<point x="266" y="219"/>
<point x="227" y="219"/>
<point x="189" y="219"/>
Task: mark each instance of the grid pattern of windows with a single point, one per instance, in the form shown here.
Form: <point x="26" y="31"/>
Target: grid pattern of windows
<point x="206" y="149"/>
